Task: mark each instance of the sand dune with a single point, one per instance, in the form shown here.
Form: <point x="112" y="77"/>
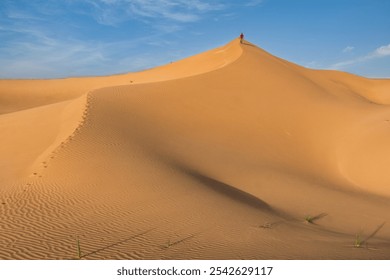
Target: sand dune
<point x="218" y="156"/>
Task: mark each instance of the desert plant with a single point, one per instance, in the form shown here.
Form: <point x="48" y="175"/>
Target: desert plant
<point x="78" y="249"/>
<point x="358" y="241"/>
<point x="311" y="219"/>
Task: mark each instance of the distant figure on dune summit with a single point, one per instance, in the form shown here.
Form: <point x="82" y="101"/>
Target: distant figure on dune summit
<point x="241" y="37"/>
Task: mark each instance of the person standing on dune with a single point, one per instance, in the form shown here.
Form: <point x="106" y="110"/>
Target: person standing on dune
<point x="241" y="37"/>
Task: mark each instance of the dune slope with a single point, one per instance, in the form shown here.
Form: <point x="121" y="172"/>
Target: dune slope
<point x="219" y="156"/>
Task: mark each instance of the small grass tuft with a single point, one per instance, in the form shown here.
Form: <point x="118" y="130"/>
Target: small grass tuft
<point x="311" y="219"/>
<point x="358" y="241"/>
<point x="78" y="249"/>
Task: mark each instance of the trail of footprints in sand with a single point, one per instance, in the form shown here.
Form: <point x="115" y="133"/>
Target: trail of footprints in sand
<point x="68" y="140"/>
<point x="39" y="172"/>
<point x="61" y="239"/>
<point x="25" y="205"/>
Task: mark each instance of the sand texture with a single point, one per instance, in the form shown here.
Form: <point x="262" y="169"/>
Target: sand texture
<point x="230" y="154"/>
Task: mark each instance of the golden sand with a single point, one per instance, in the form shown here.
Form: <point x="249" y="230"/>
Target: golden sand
<point x="229" y="154"/>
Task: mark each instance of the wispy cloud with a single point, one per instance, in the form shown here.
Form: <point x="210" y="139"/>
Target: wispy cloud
<point x="43" y="56"/>
<point x="70" y="57"/>
<point x="21" y="15"/>
<point x="348" y="49"/>
<point x="380" y="52"/>
<point x="253" y="3"/>
<point x="34" y="45"/>
<point x="111" y="12"/>
<point x="313" y="64"/>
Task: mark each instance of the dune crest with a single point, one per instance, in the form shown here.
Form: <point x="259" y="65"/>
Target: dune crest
<point x="23" y="94"/>
<point x="222" y="155"/>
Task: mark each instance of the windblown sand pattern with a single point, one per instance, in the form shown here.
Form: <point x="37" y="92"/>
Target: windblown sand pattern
<point x="229" y="154"/>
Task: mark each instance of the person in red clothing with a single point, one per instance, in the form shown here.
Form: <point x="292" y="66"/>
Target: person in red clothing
<point x="241" y="37"/>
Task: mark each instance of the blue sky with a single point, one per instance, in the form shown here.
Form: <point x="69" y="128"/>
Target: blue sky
<point x="62" y="38"/>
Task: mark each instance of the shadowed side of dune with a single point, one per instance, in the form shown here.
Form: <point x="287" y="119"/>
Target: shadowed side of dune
<point x="232" y="192"/>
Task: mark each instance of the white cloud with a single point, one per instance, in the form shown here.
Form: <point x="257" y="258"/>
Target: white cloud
<point x="343" y="64"/>
<point x="382" y="51"/>
<point x="313" y="64"/>
<point x="348" y="49"/>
